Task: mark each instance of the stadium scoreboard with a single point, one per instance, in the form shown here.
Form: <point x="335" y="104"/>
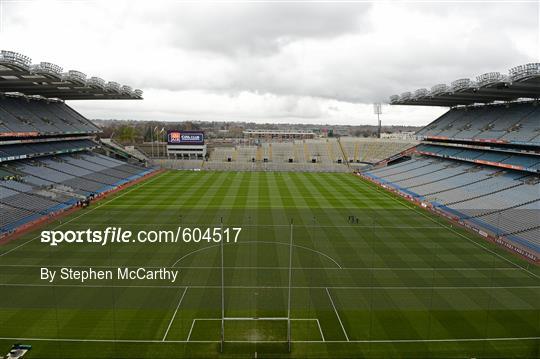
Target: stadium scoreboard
<point x="185" y="137"/>
<point x="186" y="144"/>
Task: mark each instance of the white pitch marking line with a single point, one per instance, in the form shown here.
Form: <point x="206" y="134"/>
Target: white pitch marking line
<point x="132" y="189"/>
<point x="259" y="242"/>
<point x="284" y="268"/>
<point x="191" y="329"/>
<point x="98" y="205"/>
<point x="165" y="195"/>
<point x="174" y="315"/>
<point x="58" y="226"/>
<point x="320" y="330"/>
<point x="272" y="287"/>
<point x="270" y="341"/>
<point x="252" y="319"/>
<point x="193" y="252"/>
<point x="459" y="234"/>
<point x="350" y="226"/>
<point x="337" y="314"/>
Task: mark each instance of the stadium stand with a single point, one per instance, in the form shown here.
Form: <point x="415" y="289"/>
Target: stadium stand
<point x="371" y="150"/>
<point x="312" y="155"/>
<point x="497" y="157"/>
<point x="46" y="161"/>
<point x="130" y="153"/>
<point x="479" y="162"/>
<point x="44" y="117"/>
<point x="27" y="150"/>
<point x="510" y="123"/>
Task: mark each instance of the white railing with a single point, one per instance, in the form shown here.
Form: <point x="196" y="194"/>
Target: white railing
<point x="405" y="96"/>
<point x="47" y="68"/>
<point x="24" y="67"/>
<point x="490" y="78"/>
<point x="15" y="58"/>
<point x="127" y="90"/>
<point x="439" y="89"/>
<point x="96" y="82"/>
<point x="113" y="86"/>
<point x="462" y="84"/>
<point x="73" y="75"/>
<point x="525" y="71"/>
<point x="420" y="93"/>
<point x="394" y="98"/>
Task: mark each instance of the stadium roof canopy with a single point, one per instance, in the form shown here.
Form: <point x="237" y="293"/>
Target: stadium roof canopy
<point x="19" y="75"/>
<point x="522" y="82"/>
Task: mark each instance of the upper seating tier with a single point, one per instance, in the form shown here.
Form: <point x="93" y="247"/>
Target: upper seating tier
<point x="510" y="123"/>
<point x="20" y="116"/>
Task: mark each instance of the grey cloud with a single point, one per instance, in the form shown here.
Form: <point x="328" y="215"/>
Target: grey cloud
<point x="323" y="51"/>
<point x="303" y="53"/>
<point x="257" y="28"/>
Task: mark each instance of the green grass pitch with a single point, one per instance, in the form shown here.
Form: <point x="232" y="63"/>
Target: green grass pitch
<point x="397" y="282"/>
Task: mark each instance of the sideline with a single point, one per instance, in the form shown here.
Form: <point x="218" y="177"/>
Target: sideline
<point x="415" y="209"/>
<point x="133" y="186"/>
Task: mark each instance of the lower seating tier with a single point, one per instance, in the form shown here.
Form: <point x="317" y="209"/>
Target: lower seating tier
<point x="503" y="201"/>
<point x="34" y="188"/>
<point x="34" y="149"/>
<point x="525" y="162"/>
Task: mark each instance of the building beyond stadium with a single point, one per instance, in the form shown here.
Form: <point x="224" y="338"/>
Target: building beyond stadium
<point x="278" y="135"/>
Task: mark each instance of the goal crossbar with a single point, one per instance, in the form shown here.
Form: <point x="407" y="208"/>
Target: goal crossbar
<point x="289" y="294"/>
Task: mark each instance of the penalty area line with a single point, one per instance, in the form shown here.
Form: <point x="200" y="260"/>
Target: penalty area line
<point x="337" y="314"/>
<point x="174" y="315"/>
<point x="320" y="330"/>
<point x="191" y="329"/>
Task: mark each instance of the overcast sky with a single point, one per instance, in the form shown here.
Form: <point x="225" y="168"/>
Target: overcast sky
<point x="303" y="62"/>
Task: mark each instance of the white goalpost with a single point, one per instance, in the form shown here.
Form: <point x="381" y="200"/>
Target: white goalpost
<point x="222" y="295"/>
<point x="289" y="297"/>
<point x="289" y="289"/>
